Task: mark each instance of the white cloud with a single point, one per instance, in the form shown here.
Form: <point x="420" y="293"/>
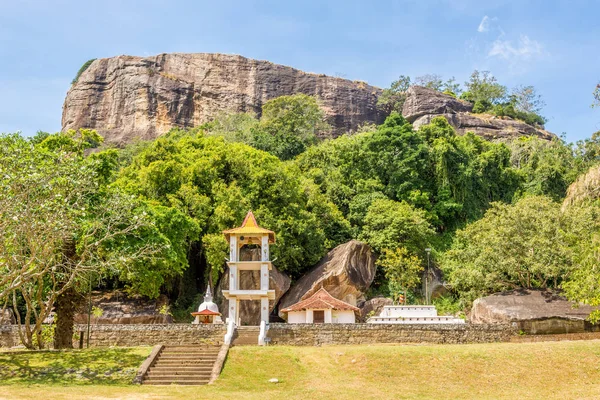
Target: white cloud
<point x="484" y="25"/>
<point x="524" y="50"/>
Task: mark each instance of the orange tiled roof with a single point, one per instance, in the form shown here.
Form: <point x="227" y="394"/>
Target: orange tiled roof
<point x="319" y="301"/>
<point x="249" y="227"/>
<point x="206" y="311"/>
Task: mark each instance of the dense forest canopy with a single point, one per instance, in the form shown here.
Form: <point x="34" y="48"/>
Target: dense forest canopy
<point x="149" y="217"/>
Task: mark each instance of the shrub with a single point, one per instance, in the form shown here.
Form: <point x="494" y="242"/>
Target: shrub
<point x="82" y="70"/>
<point x="481" y="106"/>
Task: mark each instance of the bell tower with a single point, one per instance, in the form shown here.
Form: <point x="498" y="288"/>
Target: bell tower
<point x="249" y="234"/>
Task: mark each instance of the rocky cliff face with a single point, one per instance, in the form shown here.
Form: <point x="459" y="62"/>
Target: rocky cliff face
<point x="127" y="97"/>
<point x="423" y="104"/>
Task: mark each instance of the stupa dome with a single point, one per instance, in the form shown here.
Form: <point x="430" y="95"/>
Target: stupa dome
<point x="208" y="303"/>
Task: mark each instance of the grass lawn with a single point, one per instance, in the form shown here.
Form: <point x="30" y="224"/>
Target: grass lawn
<point x="77" y="367"/>
<point x="544" y="370"/>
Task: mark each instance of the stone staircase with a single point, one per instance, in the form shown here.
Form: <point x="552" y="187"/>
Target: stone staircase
<point x="246" y="336"/>
<point x="182" y="365"/>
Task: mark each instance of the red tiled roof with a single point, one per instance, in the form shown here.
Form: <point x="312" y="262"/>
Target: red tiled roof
<point x="206" y="311"/>
<point x="319" y="301"/>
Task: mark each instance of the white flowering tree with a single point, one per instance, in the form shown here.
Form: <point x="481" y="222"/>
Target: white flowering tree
<point x="61" y="223"/>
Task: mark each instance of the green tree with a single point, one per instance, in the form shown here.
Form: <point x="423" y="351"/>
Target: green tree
<point x="60" y="224"/>
<point x="546" y="168"/>
<point x="527" y="99"/>
<point x="431" y="81"/>
<point x="390" y="224"/>
<point x="214" y="183"/>
<point x="289" y="124"/>
<point x="392" y="98"/>
<point x="523" y="245"/>
<point x="482" y="86"/>
<point x="82" y="70"/>
<point x="402" y="270"/>
<point x="465" y="173"/>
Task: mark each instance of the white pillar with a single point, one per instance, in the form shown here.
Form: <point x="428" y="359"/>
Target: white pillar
<point x="233" y="250"/>
<point x="264" y="277"/>
<point x="233" y="278"/>
<point x="309" y="316"/>
<point x="264" y="309"/>
<point x="264" y="246"/>
<point x="233" y="310"/>
<point x="328" y="318"/>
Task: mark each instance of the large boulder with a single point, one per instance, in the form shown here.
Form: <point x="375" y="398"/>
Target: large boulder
<point x="533" y="311"/>
<point x="423" y="104"/>
<point x="373" y="307"/>
<point x="421" y="101"/>
<point x="118" y="308"/>
<point x="346" y="272"/>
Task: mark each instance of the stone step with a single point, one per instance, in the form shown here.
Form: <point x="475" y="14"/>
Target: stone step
<point x="169" y="382"/>
<point x="178" y="377"/>
<point x="187" y="356"/>
<point x="190" y="351"/>
<point x="184" y="364"/>
<point x="183" y="374"/>
<point x="177" y="370"/>
<point x="182" y="355"/>
<point x="200" y="360"/>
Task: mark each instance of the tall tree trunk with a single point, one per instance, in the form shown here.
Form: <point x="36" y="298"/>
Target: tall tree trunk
<point x="65" y="307"/>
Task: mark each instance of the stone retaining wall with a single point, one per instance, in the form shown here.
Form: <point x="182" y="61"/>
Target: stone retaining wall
<point x="136" y="335"/>
<point x="285" y="334"/>
<point x="315" y="335"/>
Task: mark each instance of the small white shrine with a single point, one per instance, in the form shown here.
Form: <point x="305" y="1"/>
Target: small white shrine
<point x="412" y="315"/>
<point x="208" y="312"/>
<point x="321" y="308"/>
<point x="249" y="234"/>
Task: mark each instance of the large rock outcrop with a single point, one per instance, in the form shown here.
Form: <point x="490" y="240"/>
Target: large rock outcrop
<point x="423" y="104"/>
<point x="118" y="308"/>
<point x="373" y="306"/>
<point x="533" y="311"/>
<point x="128" y="97"/>
<point x="346" y="272"/>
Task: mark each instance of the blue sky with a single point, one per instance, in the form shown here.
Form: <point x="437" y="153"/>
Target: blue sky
<point x="552" y="45"/>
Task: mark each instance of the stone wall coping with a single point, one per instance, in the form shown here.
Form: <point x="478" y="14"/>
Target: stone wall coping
<point x="433" y="327"/>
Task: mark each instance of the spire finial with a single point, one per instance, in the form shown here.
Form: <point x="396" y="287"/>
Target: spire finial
<point x="208" y="296"/>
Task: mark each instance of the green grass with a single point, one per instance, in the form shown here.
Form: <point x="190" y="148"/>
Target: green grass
<point x="544" y="370"/>
<point x="110" y="366"/>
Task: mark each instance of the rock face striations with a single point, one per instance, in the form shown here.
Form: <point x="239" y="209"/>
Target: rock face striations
<point x="423" y="104"/>
<point x="128" y="97"/>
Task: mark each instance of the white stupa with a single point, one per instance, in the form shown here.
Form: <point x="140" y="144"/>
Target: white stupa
<point x="208" y="312"/>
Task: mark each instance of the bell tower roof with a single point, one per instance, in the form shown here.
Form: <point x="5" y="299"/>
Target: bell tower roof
<point x="250" y="228"/>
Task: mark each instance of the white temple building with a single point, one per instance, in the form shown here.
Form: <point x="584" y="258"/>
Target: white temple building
<point x="208" y="312"/>
<point x="321" y="308"/>
<point x="412" y="315"/>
